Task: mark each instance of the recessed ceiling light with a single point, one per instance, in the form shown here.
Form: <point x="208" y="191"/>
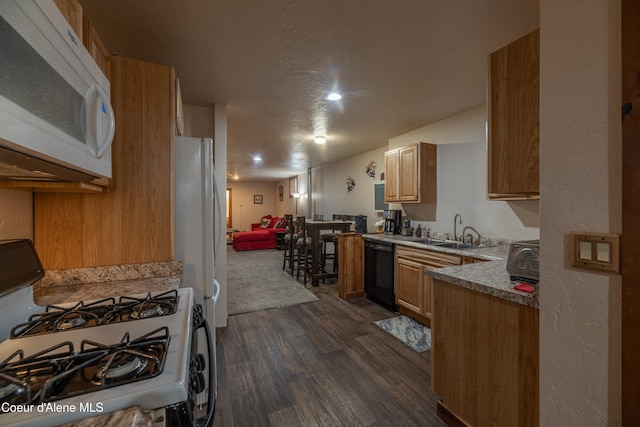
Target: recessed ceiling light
<point x="257" y="158"/>
<point x="334" y="96"/>
<point x="319" y="139"/>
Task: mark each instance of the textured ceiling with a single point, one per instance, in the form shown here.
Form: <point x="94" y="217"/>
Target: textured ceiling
<point x="400" y="65"/>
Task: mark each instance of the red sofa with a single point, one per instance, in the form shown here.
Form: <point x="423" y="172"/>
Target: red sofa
<point x="261" y="236"/>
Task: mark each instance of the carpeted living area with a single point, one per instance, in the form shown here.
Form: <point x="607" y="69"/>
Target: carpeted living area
<point x="256" y="281"/>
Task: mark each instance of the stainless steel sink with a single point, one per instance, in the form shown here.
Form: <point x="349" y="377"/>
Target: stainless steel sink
<point x="457" y="245"/>
<point x="429" y="241"/>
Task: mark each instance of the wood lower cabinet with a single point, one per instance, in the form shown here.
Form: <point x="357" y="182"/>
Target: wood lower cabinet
<point x="513" y="123"/>
<point x="350" y="265"/>
<point x="484" y="358"/>
<point x="133" y="221"/>
<point x="413" y="287"/>
<point x="411" y="174"/>
<point x="410" y="285"/>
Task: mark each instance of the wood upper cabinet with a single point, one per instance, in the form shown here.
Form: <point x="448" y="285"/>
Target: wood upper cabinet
<point x="96" y="48"/>
<point x="392" y="170"/>
<point x="411" y="174"/>
<point x="513" y="125"/>
<point x="72" y="11"/>
<point x="413" y="287"/>
<point x="133" y="222"/>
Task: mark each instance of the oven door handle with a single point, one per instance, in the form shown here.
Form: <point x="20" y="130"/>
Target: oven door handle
<point x="211" y="397"/>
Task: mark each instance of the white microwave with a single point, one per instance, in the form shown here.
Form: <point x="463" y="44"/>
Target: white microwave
<point x="56" y="120"/>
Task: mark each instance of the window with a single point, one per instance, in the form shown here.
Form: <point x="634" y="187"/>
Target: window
<point x="293" y="185"/>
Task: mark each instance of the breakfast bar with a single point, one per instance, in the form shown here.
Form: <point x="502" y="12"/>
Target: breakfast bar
<point x="313" y="230"/>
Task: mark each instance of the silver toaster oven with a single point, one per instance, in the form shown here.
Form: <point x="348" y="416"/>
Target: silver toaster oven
<point x="523" y="264"/>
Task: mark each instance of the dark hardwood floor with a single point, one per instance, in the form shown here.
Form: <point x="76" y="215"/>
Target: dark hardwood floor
<point x="323" y="363"/>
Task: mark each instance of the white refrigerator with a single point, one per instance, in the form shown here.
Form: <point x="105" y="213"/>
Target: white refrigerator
<point x="197" y="211"/>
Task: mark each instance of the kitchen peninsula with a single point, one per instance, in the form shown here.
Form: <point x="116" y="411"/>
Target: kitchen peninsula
<point x="485" y="339"/>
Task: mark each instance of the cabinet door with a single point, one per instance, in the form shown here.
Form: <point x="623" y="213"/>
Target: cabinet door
<point x="409" y="285"/>
<point x="427" y="297"/>
<point x="392" y="170"/>
<point x="513" y="125"/>
<point x="72" y="11"/>
<point x="133" y="222"/>
<point x="96" y="48"/>
<point x="409" y="160"/>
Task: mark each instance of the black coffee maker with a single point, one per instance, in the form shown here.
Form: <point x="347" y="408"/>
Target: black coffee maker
<point x="392" y="221"/>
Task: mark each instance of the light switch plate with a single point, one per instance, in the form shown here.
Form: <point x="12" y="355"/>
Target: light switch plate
<point x="596" y="251"/>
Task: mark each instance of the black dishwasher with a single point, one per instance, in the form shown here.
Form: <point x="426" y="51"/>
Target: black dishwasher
<point x="379" y="272"/>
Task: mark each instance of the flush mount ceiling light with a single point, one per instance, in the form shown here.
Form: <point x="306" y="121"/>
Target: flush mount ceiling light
<point x="257" y="158"/>
<point x="334" y="96"/>
<point x="319" y="139"/>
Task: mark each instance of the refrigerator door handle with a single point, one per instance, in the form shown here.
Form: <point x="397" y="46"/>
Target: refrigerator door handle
<point x="214" y="297"/>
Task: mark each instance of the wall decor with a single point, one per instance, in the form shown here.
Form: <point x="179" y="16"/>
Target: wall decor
<point x="257" y="199"/>
<point x="371" y="169"/>
<point x="281" y="193"/>
<point x="351" y="183"/>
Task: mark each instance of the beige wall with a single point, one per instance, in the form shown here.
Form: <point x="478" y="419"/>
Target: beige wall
<point x="580" y="147"/>
<point x="330" y="195"/>
<point x="462" y="182"/>
<point x="16" y="214"/>
<point x="244" y="211"/>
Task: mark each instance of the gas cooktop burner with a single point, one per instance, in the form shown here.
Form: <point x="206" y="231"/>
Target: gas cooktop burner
<point x="126" y="367"/>
<point x="60" y="372"/>
<point x="73" y="321"/>
<point x="139" y="312"/>
<point x="102" y="312"/>
<point x="8" y="390"/>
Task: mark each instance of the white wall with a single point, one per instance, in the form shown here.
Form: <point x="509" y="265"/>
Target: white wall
<point x="330" y="195"/>
<point x="462" y="182"/>
<point x="16" y="214"/>
<point x="580" y="147"/>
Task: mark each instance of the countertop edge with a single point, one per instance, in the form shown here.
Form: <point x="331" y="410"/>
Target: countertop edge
<point x="489" y="277"/>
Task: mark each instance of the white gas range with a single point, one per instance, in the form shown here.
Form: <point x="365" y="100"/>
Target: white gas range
<point x="63" y="363"/>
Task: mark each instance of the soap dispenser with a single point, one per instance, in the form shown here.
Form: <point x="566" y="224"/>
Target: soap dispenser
<point x="419" y="231"/>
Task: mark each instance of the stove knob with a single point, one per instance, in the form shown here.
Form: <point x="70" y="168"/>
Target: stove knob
<point x="198" y="382"/>
<point x="198" y="362"/>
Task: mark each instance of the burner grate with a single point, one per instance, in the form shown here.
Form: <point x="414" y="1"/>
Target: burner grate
<point x="58" y="372"/>
<point x="102" y="312"/>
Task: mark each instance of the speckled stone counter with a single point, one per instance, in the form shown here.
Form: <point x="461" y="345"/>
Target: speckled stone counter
<point x="130" y="417"/>
<point x="487" y="277"/>
<point x="77" y="284"/>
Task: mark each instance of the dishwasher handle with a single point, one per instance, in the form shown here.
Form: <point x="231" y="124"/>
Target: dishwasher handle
<point x="385" y="247"/>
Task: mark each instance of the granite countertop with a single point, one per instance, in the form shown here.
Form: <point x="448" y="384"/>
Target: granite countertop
<point x="78" y="284"/>
<point x="130" y="417"/>
<point x="490" y="277"/>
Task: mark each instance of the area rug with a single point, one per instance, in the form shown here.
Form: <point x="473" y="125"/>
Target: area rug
<point x="256" y="281"/>
<point x="407" y="330"/>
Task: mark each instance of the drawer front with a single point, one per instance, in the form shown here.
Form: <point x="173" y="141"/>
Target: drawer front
<point x="428" y="257"/>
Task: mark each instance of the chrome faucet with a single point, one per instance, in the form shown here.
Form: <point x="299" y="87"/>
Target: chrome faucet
<point x="455" y="232"/>
<point x="465" y="234"/>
